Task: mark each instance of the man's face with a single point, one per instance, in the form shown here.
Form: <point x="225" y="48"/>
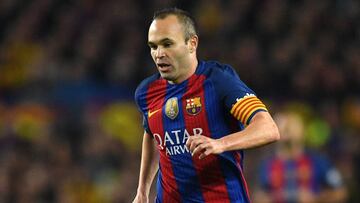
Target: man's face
<point x="168" y="48"/>
<point x="291" y="128"/>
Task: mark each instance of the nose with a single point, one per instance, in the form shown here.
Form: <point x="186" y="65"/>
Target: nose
<point x="160" y="52"/>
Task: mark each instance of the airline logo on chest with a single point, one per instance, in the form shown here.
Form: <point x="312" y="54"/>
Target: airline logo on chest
<point x="172" y="108"/>
<point x="173" y="142"/>
<point x="193" y="105"/>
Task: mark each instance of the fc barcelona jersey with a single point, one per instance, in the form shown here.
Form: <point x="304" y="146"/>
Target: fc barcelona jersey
<point x="284" y="179"/>
<point x="213" y="102"/>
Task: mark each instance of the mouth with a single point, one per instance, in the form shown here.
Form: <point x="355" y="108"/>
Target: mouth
<point x="163" y="67"/>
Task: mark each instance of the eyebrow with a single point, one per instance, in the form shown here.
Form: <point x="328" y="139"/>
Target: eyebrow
<point x="161" y="41"/>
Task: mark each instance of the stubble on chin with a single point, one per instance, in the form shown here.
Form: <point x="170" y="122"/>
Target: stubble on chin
<point x="168" y="77"/>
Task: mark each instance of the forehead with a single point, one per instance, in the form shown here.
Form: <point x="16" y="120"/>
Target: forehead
<point x="169" y="27"/>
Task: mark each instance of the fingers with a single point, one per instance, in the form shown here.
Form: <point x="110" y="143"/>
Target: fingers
<point x="199" y="144"/>
<point x="204" y="154"/>
<point x="193" y="142"/>
<point x="199" y="148"/>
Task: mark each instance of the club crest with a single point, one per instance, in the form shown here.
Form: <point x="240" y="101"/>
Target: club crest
<point x="193" y="105"/>
<point x="172" y="108"/>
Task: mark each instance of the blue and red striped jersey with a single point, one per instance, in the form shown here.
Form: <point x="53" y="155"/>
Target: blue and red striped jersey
<point x="283" y="179"/>
<point x="213" y="102"/>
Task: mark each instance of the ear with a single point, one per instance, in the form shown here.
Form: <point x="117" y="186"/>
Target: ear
<point x="193" y="43"/>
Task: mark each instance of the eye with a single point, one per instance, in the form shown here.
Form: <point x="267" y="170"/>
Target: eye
<point x="152" y="46"/>
<point x="167" y="44"/>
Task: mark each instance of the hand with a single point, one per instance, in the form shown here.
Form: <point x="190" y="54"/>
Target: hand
<point x="204" y="145"/>
<point x="141" y="198"/>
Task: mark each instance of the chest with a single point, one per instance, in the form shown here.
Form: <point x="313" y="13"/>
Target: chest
<point x="292" y="174"/>
<point x="177" y="105"/>
<point x="175" y="112"/>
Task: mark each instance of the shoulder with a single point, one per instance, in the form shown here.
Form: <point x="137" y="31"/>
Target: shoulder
<point x="318" y="158"/>
<point x="223" y="77"/>
<point x="266" y="164"/>
<point x="215" y="69"/>
<point x="142" y="88"/>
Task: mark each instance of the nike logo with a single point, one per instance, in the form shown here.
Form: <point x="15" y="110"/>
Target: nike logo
<point x="151" y="113"/>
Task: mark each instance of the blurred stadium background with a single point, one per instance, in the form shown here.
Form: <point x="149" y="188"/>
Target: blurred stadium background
<point x="70" y="131"/>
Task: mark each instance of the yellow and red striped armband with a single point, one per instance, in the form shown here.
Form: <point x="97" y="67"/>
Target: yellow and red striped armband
<point x="245" y="107"/>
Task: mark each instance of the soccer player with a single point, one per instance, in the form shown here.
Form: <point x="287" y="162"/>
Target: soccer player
<point x="294" y="174"/>
<point x="198" y="117"/>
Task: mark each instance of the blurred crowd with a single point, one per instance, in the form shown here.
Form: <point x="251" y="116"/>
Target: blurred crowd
<point x="69" y="129"/>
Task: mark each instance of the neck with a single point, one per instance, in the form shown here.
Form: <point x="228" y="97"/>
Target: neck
<point x="291" y="152"/>
<point x="190" y="70"/>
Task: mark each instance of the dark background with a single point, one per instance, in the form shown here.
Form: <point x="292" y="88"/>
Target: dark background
<point x="69" y="128"/>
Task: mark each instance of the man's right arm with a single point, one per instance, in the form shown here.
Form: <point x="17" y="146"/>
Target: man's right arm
<point x="148" y="168"/>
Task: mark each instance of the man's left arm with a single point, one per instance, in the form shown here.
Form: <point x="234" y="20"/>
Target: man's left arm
<point x="261" y="130"/>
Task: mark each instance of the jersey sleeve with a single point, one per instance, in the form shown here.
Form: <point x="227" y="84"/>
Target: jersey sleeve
<point x="238" y="98"/>
<point x="140" y="99"/>
<point x="146" y="125"/>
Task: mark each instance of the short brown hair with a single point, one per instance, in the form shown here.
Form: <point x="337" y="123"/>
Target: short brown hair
<point x="183" y="16"/>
